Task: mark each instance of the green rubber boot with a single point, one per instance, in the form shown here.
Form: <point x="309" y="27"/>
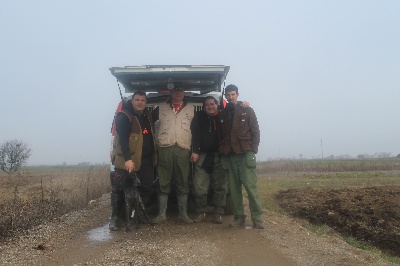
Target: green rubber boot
<point x="162" y="205"/>
<point x="182" y="206"/>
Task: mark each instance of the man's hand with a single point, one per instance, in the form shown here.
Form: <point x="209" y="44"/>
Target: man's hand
<point x="245" y="104"/>
<point x="129" y="166"/>
<point x="194" y="158"/>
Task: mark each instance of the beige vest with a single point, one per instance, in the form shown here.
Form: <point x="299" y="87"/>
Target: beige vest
<point x="175" y="128"/>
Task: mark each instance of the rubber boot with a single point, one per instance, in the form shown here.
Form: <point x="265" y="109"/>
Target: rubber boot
<point x="199" y="218"/>
<point x="162" y="205"/>
<point x="239" y="221"/>
<point x="182" y="206"/>
<point x="258" y="225"/>
<point x="116" y="207"/>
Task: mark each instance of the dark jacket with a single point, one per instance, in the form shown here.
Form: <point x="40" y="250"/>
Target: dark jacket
<point x="134" y="139"/>
<point x="204" y="134"/>
<point x="239" y="131"/>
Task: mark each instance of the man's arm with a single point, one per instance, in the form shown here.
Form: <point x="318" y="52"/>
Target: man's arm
<point x="123" y="128"/>
<point x="155" y="114"/>
<point x="196" y="137"/>
<point x="254" y="130"/>
<point x="220" y="131"/>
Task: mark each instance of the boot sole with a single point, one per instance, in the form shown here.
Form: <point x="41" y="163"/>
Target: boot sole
<point x="186" y="221"/>
<point x="158" y="222"/>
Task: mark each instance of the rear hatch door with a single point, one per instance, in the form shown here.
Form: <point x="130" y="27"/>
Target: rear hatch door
<point x="161" y="78"/>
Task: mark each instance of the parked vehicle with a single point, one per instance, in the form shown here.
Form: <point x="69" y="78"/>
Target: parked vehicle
<point x="198" y="81"/>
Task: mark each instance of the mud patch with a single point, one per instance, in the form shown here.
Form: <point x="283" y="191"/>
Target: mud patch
<point x="99" y="234"/>
<point x="369" y="214"/>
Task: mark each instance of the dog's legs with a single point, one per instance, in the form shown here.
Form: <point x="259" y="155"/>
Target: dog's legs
<point x="128" y="210"/>
<point x="137" y="219"/>
<point x="142" y="209"/>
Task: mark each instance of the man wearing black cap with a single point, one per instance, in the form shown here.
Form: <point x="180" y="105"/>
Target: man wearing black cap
<point x="174" y="141"/>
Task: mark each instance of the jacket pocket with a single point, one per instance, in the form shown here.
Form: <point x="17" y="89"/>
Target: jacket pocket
<point x="244" y="142"/>
<point x="251" y="161"/>
<point x="185" y="123"/>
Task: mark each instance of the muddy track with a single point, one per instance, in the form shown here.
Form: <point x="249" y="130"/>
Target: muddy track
<point x="82" y="238"/>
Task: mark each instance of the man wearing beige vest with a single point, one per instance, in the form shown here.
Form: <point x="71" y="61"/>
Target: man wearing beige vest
<point x="174" y="141"/>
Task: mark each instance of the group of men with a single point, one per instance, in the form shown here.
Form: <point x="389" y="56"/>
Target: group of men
<point x="221" y="142"/>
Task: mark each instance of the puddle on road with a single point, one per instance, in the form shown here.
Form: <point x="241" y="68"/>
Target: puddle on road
<point x="100" y="234"/>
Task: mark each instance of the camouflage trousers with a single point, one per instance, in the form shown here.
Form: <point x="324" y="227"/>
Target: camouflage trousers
<point x="203" y="180"/>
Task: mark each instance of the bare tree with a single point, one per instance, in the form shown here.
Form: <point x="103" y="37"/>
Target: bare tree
<point x="13" y="154"/>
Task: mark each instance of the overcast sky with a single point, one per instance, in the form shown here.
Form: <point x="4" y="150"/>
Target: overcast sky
<point x="312" y="70"/>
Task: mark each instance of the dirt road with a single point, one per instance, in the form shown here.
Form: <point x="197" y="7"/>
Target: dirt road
<point x="82" y="238"/>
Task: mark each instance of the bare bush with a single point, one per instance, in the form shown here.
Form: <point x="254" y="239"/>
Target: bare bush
<point x="13" y="154"/>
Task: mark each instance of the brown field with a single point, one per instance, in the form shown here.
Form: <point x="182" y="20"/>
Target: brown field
<point x="368" y="214"/>
<point x="358" y="199"/>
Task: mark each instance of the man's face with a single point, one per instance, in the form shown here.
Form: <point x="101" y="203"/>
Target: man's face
<point x="231" y="96"/>
<point x="210" y="107"/>
<point x="139" y="103"/>
<point x="177" y="95"/>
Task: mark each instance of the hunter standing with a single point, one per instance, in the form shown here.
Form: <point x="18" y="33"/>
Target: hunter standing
<point x="208" y="170"/>
<point x="133" y="151"/>
<point x="239" y="138"/>
<point x="174" y="141"/>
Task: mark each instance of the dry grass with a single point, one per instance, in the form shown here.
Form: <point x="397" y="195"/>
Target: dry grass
<point x="38" y="194"/>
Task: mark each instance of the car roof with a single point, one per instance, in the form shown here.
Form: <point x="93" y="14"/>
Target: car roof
<point x="161" y="78"/>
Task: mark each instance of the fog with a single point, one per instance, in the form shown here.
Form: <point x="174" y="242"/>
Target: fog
<point x="323" y="77"/>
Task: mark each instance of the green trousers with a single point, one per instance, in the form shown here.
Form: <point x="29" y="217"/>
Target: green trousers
<point x="241" y="170"/>
<point x="202" y="181"/>
<point x="174" y="164"/>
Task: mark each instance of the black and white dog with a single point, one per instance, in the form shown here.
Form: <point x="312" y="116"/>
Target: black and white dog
<point x="133" y="201"/>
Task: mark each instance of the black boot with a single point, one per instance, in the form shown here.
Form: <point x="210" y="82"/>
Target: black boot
<point x="116" y="203"/>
